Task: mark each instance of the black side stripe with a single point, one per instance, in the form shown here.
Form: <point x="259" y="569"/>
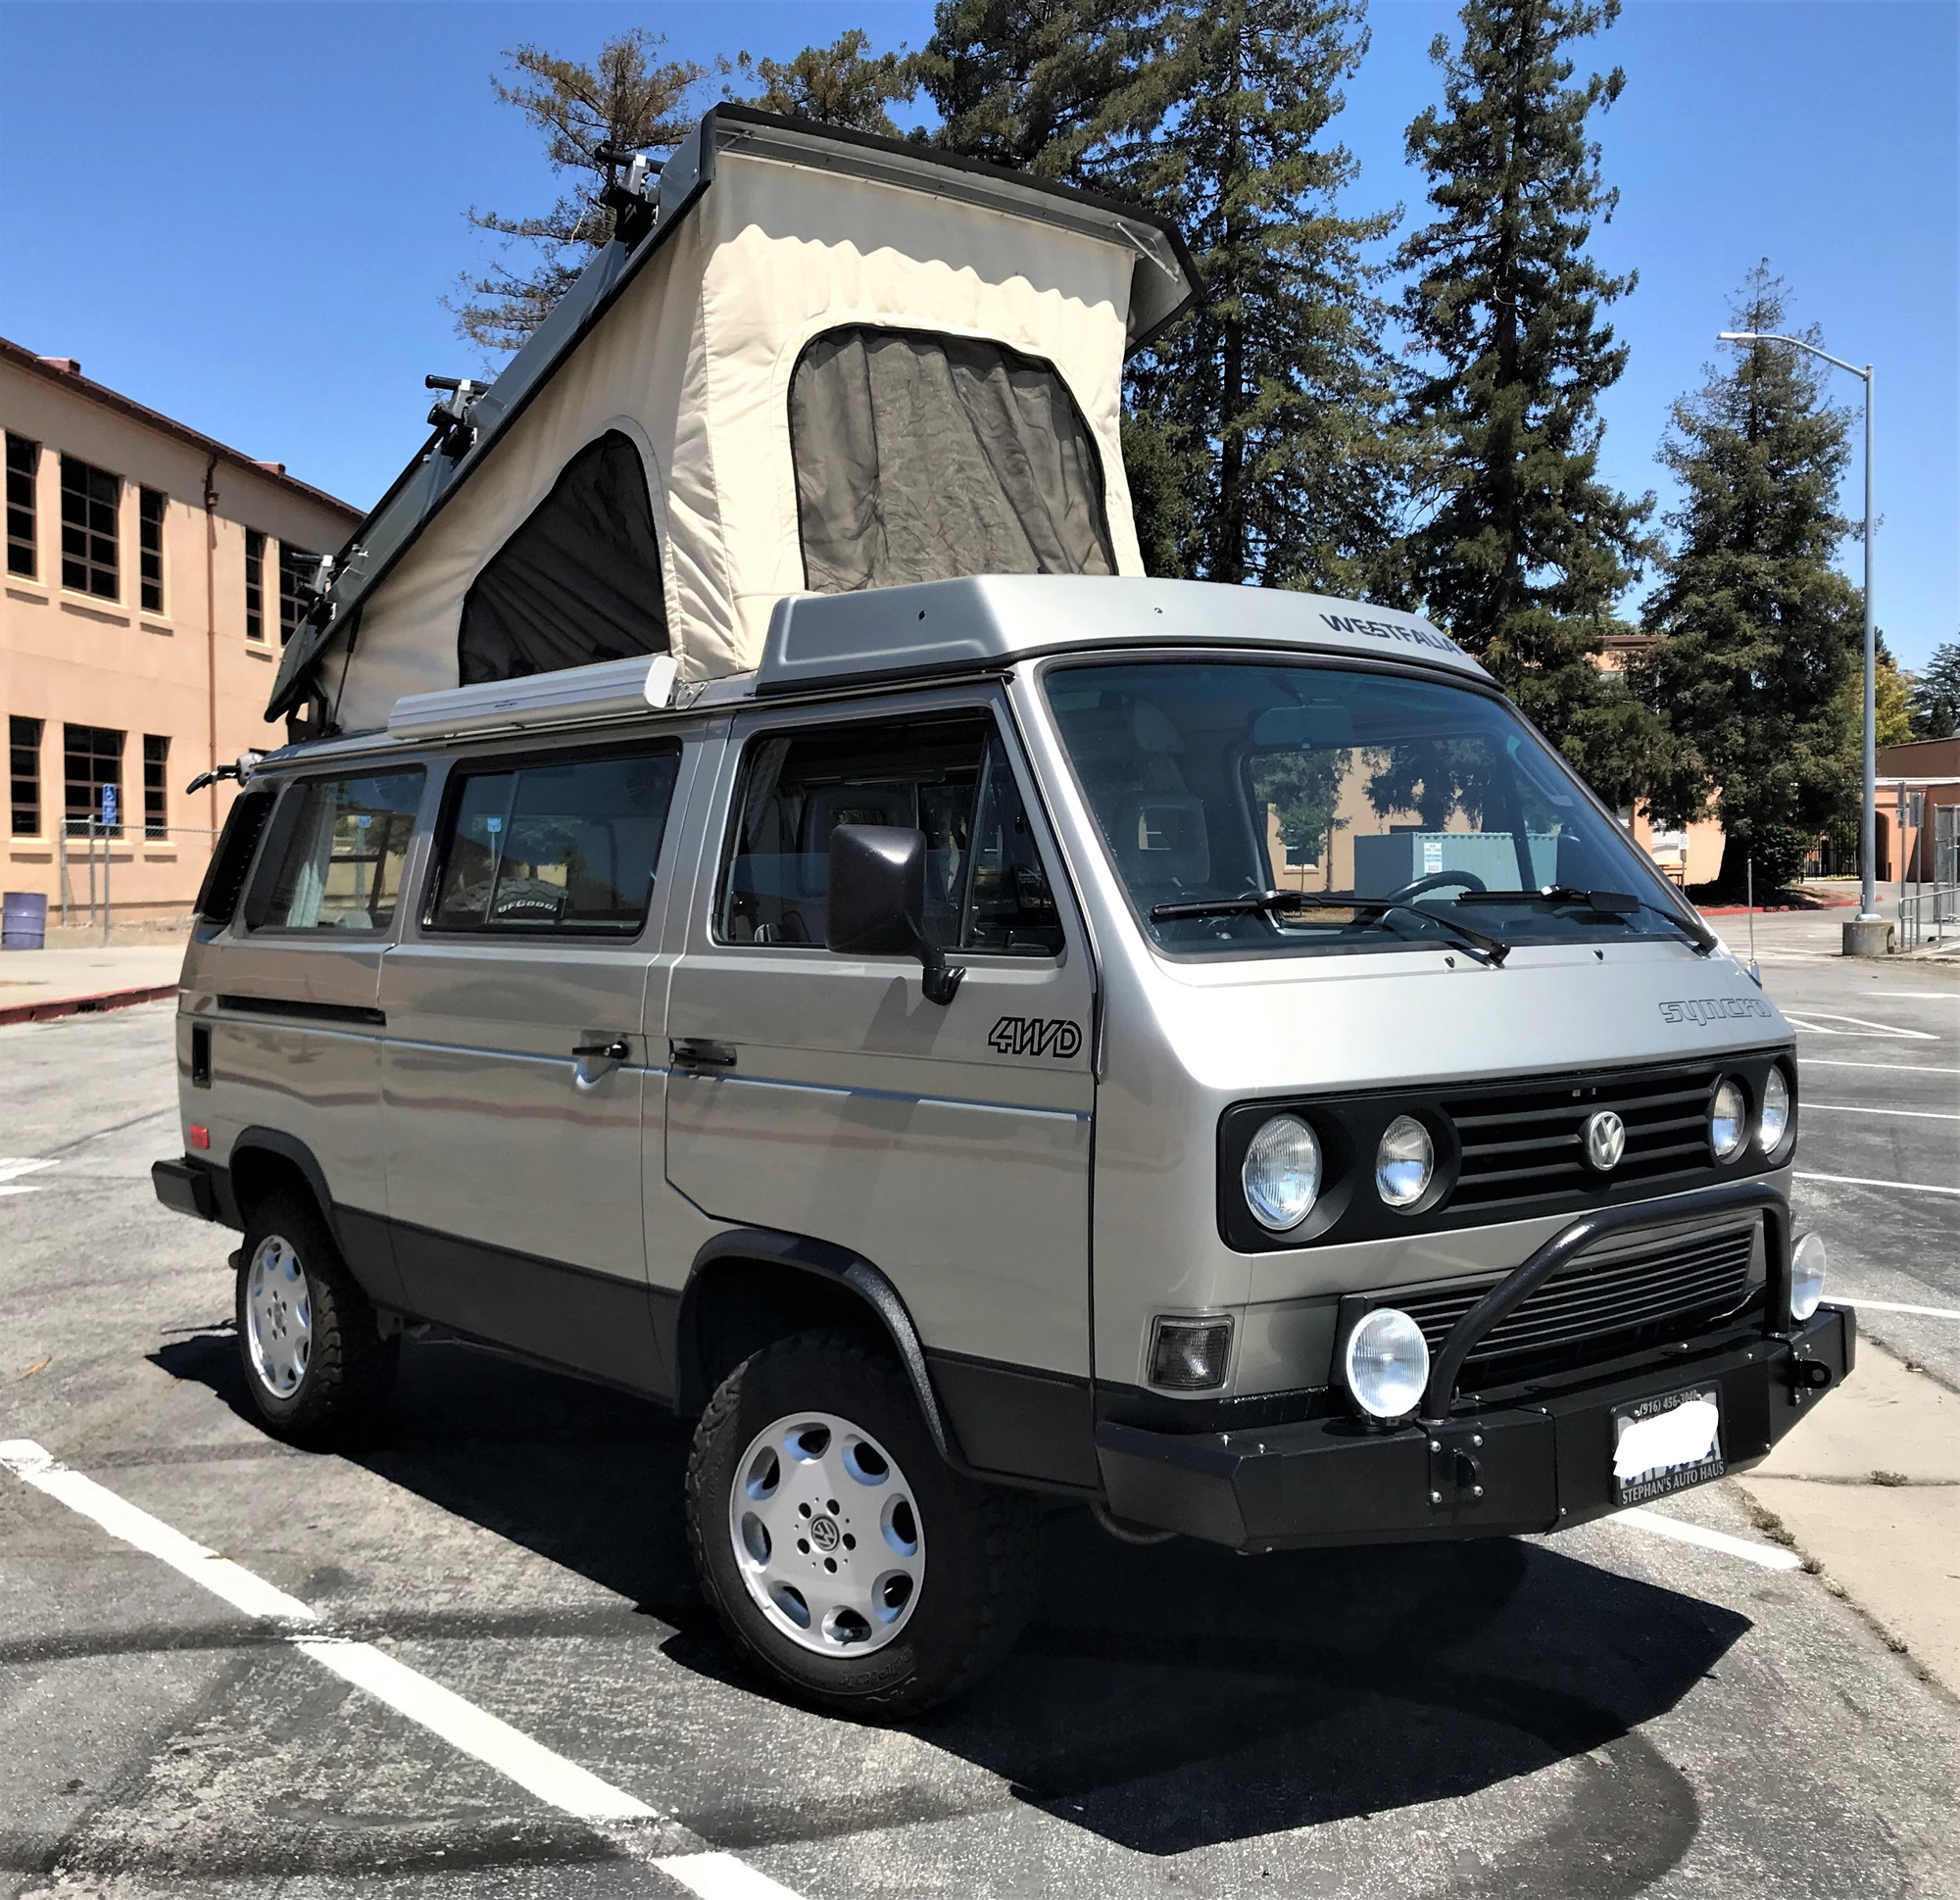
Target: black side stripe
<point x="305" y="1008"/>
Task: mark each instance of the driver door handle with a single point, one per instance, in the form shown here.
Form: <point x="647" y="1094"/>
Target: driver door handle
<point x="692" y="1055"/>
<point x="613" y="1052"/>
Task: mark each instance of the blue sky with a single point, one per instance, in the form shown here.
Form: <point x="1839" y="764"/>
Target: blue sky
<point x="248" y="215"/>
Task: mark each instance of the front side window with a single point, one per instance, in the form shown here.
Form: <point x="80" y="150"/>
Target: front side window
<point x="151" y="550"/>
<point x="23" y="760"/>
<point x="927" y="458"/>
<point x="568" y="846"/>
<point x="89" y="500"/>
<point x="945" y="777"/>
<point x="93" y="759"/>
<point x="1277" y="792"/>
<point x="345" y="853"/>
<point x="23" y="460"/>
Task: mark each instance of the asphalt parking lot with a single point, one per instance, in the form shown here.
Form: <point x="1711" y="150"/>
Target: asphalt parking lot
<point x="1609" y="1713"/>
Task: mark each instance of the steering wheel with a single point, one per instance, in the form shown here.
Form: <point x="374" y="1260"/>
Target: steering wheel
<point x="1436" y="880"/>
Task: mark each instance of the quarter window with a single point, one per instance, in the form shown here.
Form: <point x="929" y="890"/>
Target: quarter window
<point x="948" y="778"/>
<point x="93" y="764"/>
<point x="255" y="584"/>
<point x="89" y="500"/>
<point x="24" y="761"/>
<point x="150" y="517"/>
<point x="23" y="460"/>
<point x="568" y="846"/>
<point x="345" y="853"/>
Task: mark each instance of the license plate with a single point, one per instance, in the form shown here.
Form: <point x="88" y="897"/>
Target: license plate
<point x="1666" y="1443"/>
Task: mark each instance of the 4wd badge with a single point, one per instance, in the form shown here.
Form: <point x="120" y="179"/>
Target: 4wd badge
<point x="1053" y="1036"/>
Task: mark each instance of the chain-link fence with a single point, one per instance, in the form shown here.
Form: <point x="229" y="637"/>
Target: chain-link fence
<point x="130" y="870"/>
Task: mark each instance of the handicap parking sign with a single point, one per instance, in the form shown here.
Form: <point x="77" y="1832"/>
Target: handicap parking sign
<point x="109" y="805"/>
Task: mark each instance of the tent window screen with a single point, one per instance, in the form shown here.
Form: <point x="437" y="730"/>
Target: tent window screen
<point x="927" y="458"/>
<point x="578" y="582"/>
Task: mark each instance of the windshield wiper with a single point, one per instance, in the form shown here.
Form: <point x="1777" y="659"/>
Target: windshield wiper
<point x="1487" y="949"/>
<point x="1603" y="903"/>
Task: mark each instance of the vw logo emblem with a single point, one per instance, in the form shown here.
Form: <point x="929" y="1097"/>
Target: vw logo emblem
<point x="823" y="1532"/>
<point x="1605" y="1138"/>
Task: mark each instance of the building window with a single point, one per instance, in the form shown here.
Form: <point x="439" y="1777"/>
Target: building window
<point x="23" y="764"/>
<point x="22" y="459"/>
<point x="94" y="765"/>
<point x="297" y="569"/>
<point x="255" y="584"/>
<point x="89" y="500"/>
<point x="156" y="779"/>
<point x="151" y="512"/>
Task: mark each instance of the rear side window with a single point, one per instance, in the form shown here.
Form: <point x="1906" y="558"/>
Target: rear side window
<point x="224" y="876"/>
<point x="570" y="848"/>
<point x="948" y="778"/>
<point x="346" y="845"/>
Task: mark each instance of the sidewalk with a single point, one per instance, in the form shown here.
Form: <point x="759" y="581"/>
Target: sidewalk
<point x="35" y="984"/>
<point x="1868" y="1490"/>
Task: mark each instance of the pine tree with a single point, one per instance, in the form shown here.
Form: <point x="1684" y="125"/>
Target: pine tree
<point x="1261" y="426"/>
<point x="836" y="84"/>
<point x="1936" y="695"/>
<point x="1758" y="637"/>
<point x="1528" y="550"/>
<point x="626" y="98"/>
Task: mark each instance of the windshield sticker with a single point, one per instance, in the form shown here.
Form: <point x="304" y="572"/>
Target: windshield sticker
<point x="1036" y="1036"/>
<point x="1708" y="1009"/>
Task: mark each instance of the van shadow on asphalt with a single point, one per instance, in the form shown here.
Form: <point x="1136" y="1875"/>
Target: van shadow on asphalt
<point x="1167" y="1698"/>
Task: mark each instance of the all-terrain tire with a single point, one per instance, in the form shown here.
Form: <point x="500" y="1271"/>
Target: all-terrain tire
<point x="981" y="1543"/>
<point x="338" y="1388"/>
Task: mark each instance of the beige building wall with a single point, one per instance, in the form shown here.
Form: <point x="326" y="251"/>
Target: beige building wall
<point x="186" y="672"/>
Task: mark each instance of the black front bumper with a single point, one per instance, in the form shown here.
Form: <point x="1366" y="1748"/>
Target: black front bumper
<point x="1542" y="1465"/>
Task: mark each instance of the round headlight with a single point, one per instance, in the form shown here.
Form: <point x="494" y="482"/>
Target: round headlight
<point x="1806" y="1275"/>
<point x="1404" y="1162"/>
<point x="1728" y="1120"/>
<point x="1776" y="1112"/>
<point x="1387" y="1363"/>
<point x="1281" y="1173"/>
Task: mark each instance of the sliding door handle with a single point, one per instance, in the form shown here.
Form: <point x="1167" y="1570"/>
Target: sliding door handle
<point x="692" y="1055"/>
<point x="612" y="1051"/>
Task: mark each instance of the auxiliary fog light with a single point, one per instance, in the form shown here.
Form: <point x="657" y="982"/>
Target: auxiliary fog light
<point x="1404" y="1162"/>
<point x="1387" y="1363"/>
<point x="1281" y="1174"/>
<point x="1728" y="1120"/>
<point x="1770" y="1130"/>
<point x="1189" y="1355"/>
<point x="1806" y="1275"/>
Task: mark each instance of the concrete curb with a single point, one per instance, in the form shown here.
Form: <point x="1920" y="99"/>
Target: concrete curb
<point x="51" y="1008"/>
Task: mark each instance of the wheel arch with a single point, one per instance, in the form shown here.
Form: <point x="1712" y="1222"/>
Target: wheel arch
<point x="752" y="1285"/>
<point x="264" y="1159"/>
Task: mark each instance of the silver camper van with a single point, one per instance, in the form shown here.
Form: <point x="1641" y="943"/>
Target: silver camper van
<point x="990" y="1040"/>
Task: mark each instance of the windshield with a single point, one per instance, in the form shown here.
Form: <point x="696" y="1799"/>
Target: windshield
<point x="1226" y="781"/>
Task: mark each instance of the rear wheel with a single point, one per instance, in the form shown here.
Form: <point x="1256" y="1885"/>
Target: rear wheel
<point x="842" y="1556"/>
<point x="316" y="1363"/>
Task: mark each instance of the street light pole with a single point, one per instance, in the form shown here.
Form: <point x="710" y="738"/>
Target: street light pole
<point x="1868" y="827"/>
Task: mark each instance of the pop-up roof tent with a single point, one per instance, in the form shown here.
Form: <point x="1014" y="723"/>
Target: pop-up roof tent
<point x="812" y="361"/>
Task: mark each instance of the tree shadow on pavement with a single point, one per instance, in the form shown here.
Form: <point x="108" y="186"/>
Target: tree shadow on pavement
<point x="1167" y="1698"/>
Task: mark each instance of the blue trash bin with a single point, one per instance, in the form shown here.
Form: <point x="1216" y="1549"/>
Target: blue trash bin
<point x="24" y="920"/>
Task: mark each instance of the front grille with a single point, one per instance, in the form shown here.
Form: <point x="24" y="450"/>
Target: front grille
<point x="1598" y="1307"/>
<point x="1524" y="1143"/>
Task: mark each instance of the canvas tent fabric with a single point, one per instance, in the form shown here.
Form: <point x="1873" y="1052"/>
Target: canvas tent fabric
<point x="928" y="457"/>
<point x="578" y="582"/>
<point x="691" y="364"/>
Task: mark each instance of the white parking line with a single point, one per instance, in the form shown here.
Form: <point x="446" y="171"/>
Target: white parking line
<point x="1862" y="1181"/>
<point x="1892" y="1307"/>
<point x="1909" y="1068"/>
<point x="1908" y="1114"/>
<point x="1861" y="1026"/>
<point x="549" y="1776"/>
<point x="13" y="1166"/>
<point x="1768" y="1555"/>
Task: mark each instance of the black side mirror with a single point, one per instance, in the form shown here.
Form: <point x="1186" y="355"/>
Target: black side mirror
<point x="876" y="901"/>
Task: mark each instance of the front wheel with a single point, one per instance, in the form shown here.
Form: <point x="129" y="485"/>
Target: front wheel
<point x="316" y="1364"/>
<point x="842" y="1556"/>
